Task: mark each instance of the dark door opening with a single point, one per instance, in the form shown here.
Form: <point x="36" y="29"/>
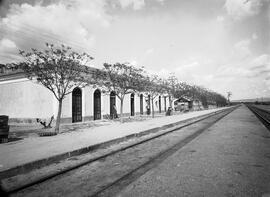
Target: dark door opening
<point x="148" y="107"/>
<point x="159" y="104"/>
<point x="97" y="105"/>
<point x="165" y="104"/>
<point x="132" y="104"/>
<point x="141" y="104"/>
<point x="76" y="105"/>
<point x="112" y="104"/>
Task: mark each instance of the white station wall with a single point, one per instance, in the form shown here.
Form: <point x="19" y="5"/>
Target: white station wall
<point x="26" y="99"/>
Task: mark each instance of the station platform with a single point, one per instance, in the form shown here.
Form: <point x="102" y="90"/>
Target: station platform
<point x="29" y="150"/>
<point x="230" y="158"/>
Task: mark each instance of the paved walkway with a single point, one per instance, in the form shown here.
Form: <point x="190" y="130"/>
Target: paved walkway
<point x="231" y="158"/>
<point x="32" y="149"/>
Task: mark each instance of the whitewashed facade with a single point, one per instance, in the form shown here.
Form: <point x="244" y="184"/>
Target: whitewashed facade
<point x="24" y="101"/>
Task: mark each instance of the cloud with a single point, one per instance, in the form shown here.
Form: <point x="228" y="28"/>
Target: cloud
<point x="254" y="36"/>
<point x="260" y="67"/>
<point x="74" y="23"/>
<point x="220" y="18"/>
<point x="149" y="51"/>
<point x="161" y="1"/>
<point x="233" y="71"/>
<point x="188" y="66"/>
<point x="8" y="50"/>
<point x="261" y="61"/>
<point x="135" y="4"/>
<point x="241" y="9"/>
<point x="188" y="72"/>
<point x="241" y="49"/>
<point x="256" y="67"/>
<point x="6" y="44"/>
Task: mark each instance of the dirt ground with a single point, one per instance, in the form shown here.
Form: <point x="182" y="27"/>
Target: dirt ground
<point x="87" y="180"/>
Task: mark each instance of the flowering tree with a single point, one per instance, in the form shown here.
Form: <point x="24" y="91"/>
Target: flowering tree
<point x="152" y="86"/>
<point x="59" y="69"/>
<point x="171" y="84"/>
<point x="121" y="78"/>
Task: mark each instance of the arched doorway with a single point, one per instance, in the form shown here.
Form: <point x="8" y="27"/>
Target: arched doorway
<point x="112" y="103"/>
<point x="76" y="105"/>
<point x="132" y="104"/>
<point x="148" y="111"/>
<point x="141" y="104"/>
<point x="97" y="105"/>
<point x="165" y="104"/>
<point x="159" y="104"/>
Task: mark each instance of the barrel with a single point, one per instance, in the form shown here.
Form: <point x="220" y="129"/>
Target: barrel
<point x="4" y="128"/>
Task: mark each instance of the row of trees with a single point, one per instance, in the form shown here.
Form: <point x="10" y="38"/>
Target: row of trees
<point x="60" y="70"/>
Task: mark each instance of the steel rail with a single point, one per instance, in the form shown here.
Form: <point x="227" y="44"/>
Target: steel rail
<point x="58" y="173"/>
<point x="260" y="113"/>
<point x="154" y="161"/>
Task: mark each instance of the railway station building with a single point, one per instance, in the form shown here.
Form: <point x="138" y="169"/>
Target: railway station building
<point x="24" y="101"/>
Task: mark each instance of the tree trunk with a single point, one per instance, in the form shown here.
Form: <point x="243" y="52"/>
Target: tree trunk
<point x="153" y="112"/>
<point x="121" y="109"/>
<point x="57" y="126"/>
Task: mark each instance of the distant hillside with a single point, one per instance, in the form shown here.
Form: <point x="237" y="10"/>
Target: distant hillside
<point x="265" y="99"/>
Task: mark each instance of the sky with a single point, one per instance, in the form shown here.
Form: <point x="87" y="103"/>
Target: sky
<point x="223" y="45"/>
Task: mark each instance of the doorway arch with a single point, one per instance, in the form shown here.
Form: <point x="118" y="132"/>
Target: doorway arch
<point x="132" y="104"/>
<point x="141" y="104"/>
<point x="148" y="112"/>
<point x="112" y="103"/>
<point x="165" y="104"/>
<point x="76" y="105"/>
<point x="159" y="104"/>
<point x="97" y="105"/>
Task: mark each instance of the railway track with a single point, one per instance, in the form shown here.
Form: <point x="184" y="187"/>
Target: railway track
<point x="262" y="114"/>
<point x="163" y="144"/>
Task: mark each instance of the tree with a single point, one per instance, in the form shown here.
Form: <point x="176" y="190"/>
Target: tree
<point x="201" y="93"/>
<point x="171" y="87"/>
<point x="182" y="89"/>
<point x="122" y="78"/>
<point x="59" y="69"/>
<point x="229" y="94"/>
<point x="152" y="86"/>
<point x="220" y="100"/>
